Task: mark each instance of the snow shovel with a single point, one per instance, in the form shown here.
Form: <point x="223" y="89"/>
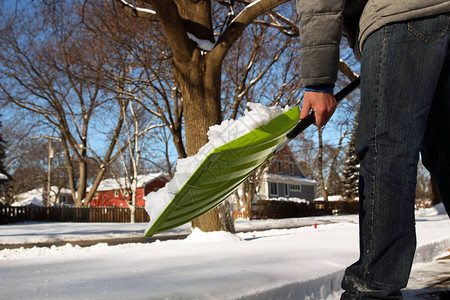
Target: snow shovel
<point x="227" y="166"/>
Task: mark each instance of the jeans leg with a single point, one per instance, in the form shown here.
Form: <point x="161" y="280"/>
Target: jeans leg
<point x="436" y="145"/>
<point x="399" y="75"/>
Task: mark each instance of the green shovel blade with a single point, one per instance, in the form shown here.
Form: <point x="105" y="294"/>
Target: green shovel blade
<point x="223" y="170"/>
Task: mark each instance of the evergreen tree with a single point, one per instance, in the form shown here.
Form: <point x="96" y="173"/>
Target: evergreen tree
<point x="2" y="153"/>
<point x="351" y="171"/>
<point x="5" y="186"/>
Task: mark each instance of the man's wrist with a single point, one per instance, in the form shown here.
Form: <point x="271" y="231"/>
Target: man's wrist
<point x="323" y="88"/>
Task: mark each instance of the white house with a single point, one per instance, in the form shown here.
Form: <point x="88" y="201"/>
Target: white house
<point x="283" y="180"/>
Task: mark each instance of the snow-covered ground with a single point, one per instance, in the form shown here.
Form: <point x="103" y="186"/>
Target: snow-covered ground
<point x="296" y="263"/>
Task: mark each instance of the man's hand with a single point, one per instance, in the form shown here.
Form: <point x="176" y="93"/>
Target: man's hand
<point x="323" y="105"/>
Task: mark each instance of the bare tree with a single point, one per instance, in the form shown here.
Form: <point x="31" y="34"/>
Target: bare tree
<point x="324" y="159"/>
<point x="324" y="182"/>
<point x="33" y="166"/>
<point x="151" y="82"/>
<point x="136" y="126"/>
<point x="258" y="69"/>
<point x="159" y="156"/>
<point x="261" y="67"/>
<point x="60" y="80"/>
<point x="197" y="68"/>
<point x="200" y="49"/>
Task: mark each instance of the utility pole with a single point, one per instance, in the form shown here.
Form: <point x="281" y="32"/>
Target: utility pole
<point x="51" y="154"/>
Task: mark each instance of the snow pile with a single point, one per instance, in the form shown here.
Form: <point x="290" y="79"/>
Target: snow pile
<point x="37" y="232"/>
<point x="42" y="252"/>
<point x="35" y="201"/>
<point x="35" y="197"/>
<point x="218" y="135"/>
<point x="436" y="210"/>
<point x="290" y="199"/>
<point x="198" y="236"/>
<point x="331" y="198"/>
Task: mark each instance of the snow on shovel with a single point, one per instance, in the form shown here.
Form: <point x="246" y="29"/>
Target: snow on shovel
<point x="235" y="149"/>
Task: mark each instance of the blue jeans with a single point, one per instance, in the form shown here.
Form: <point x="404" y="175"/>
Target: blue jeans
<point x="405" y="111"/>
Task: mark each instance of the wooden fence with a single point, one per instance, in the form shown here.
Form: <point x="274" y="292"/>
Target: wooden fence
<point x="262" y="210"/>
<point x="9" y="214"/>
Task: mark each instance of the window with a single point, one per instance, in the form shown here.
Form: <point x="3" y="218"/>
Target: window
<point x="291" y="168"/>
<point x="286" y="190"/>
<point x="296" y="187"/>
<point x="273" y="189"/>
<point x="116" y="193"/>
<point x="278" y="166"/>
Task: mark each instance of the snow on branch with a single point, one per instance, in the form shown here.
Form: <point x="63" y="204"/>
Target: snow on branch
<point x="290" y="28"/>
<point x="253" y="10"/>
<point x="138" y="11"/>
<point x="204" y="45"/>
<point x="246" y="9"/>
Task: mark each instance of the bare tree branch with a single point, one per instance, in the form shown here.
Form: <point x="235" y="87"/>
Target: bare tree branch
<point x="240" y="22"/>
<point x="174" y="27"/>
<point x="345" y="69"/>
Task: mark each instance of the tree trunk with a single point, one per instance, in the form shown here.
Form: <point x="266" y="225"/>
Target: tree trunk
<point x="198" y="73"/>
<point x="320" y="166"/>
<point x="133" y="198"/>
<point x="436" y="196"/>
<point x="200" y="86"/>
<point x="82" y="183"/>
<point x="250" y="193"/>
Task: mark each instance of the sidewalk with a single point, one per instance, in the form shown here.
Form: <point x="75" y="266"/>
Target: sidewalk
<point x="430" y="280"/>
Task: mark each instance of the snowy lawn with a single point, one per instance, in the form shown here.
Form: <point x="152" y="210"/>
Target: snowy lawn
<point x="270" y="264"/>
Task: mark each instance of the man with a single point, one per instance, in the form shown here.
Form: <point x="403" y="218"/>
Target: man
<point x="405" y="109"/>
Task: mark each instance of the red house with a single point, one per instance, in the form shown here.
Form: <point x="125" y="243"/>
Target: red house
<point x="117" y="192"/>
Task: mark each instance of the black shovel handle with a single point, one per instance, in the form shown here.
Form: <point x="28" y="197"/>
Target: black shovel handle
<point x="311" y="118"/>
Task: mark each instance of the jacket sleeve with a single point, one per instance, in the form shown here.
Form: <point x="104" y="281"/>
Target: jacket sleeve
<point x="320" y="27"/>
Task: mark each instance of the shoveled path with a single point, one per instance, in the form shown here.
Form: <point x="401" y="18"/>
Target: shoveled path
<point x="430" y="280"/>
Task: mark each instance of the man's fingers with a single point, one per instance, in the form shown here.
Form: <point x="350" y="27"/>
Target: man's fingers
<point x="323" y="105"/>
<point x="324" y="115"/>
<point x="306" y="107"/>
<point x="320" y="120"/>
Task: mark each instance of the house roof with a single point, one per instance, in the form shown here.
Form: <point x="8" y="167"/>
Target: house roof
<point x="286" y="155"/>
<point x="34" y="197"/>
<point x="289" y="179"/>
<point x="120" y="183"/>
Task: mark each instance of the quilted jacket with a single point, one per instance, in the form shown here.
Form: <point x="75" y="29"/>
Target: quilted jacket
<point x="323" y="22"/>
